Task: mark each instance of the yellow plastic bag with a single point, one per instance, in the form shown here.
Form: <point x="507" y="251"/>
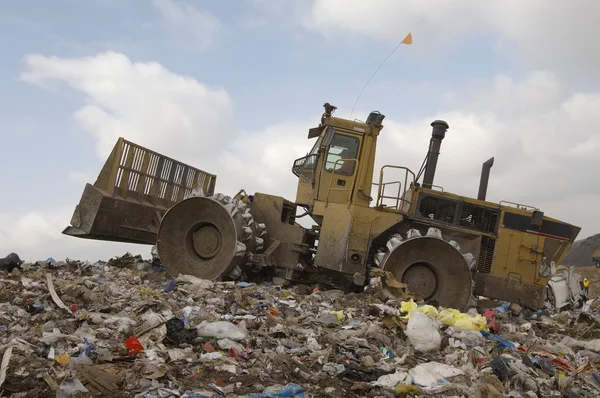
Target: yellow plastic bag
<point x="428" y="310"/>
<point x="408" y="306"/>
<point x="340" y="315"/>
<point x="448" y="316"/>
<point x="465" y="321"/>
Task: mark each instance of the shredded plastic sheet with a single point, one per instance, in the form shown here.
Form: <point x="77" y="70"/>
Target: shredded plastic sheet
<point x="53" y="294"/>
<point x="5" y="362"/>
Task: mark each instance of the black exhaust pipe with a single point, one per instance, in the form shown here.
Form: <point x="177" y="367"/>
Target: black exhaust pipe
<point x="485" y="177"/>
<point x="437" y="135"/>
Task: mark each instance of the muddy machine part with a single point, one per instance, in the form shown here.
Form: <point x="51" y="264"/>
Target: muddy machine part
<point x="208" y="237"/>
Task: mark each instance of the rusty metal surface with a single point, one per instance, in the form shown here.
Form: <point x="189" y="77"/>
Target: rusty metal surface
<point x="133" y="190"/>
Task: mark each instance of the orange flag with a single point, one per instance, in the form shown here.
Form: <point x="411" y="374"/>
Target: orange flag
<point x="407" y="39"/>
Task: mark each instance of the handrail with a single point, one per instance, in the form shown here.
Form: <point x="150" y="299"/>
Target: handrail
<point x="381" y="186"/>
<point x="397" y="197"/>
<point x="329" y="188"/>
<point x="519" y="205"/>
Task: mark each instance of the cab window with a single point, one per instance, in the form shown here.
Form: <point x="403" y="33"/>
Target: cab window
<point x="342" y="147"/>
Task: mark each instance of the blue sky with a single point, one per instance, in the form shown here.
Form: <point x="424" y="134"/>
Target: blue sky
<point x="513" y="81"/>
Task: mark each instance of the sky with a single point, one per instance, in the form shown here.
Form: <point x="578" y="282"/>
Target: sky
<point x="232" y="87"/>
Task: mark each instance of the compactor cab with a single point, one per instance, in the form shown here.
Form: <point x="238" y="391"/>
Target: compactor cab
<point x="446" y="248"/>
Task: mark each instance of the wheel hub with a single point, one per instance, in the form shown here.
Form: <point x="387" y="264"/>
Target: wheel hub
<point x="420" y="279"/>
<point x="206" y="241"/>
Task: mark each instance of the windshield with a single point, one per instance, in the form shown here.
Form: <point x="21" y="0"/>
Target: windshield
<point x="342" y="147"/>
<point x="315" y="148"/>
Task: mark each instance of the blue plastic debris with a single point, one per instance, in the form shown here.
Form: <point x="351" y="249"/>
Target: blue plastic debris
<point x="387" y="352"/>
<point x="170" y="286"/>
<point x="244" y="284"/>
<point x="289" y="391"/>
<point x="502" y="342"/>
<point x="503" y="308"/>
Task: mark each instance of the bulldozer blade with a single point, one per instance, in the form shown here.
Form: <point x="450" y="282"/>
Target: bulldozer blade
<point x="134" y="189"/>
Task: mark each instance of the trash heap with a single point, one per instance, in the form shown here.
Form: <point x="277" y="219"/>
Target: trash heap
<point x="126" y="328"/>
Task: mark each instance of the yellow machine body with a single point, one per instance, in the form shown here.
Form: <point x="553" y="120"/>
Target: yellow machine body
<point x="446" y="247"/>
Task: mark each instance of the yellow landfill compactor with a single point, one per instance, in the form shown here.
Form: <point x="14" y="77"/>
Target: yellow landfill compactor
<point x="447" y="248"/>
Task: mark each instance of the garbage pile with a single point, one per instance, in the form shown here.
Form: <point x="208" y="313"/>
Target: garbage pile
<point x="127" y="328"/>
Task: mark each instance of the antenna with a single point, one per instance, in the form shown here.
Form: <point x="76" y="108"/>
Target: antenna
<point x="406" y="40"/>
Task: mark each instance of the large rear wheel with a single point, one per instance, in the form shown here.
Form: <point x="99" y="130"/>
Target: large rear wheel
<point x="431" y="267"/>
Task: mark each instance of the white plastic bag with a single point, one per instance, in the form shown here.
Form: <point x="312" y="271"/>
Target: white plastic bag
<point x="69" y="386"/>
<point x="222" y="329"/>
<point x="432" y="374"/>
<point x="423" y="332"/>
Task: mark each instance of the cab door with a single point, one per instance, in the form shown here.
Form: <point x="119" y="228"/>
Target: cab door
<point x="339" y="168"/>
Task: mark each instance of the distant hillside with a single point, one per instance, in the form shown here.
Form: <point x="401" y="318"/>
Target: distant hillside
<point x="580" y="253"/>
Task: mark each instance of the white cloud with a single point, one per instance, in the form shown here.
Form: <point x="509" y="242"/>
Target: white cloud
<point x="37" y="235"/>
<point x="189" y="24"/>
<point x="264" y="158"/>
<point x="143" y="102"/>
<point x="545" y="37"/>
<point x="79" y="177"/>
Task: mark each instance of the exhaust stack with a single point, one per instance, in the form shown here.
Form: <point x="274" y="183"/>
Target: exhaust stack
<point x="485" y="177"/>
<point x="437" y="135"/>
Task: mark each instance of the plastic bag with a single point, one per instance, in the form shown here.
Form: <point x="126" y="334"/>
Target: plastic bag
<point x="432" y="374"/>
<point x="465" y="321"/>
<point x="448" y="316"/>
<point x="69" y="386"/>
<point x="428" y="310"/>
<point x="223" y="330"/>
<point x="468" y="337"/>
<point x="391" y="380"/>
<point x="408" y="306"/>
<point x="423" y="332"/>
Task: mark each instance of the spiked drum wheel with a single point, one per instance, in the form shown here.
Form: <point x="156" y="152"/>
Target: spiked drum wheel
<point x="208" y="237"/>
<point x="430" y="266"/>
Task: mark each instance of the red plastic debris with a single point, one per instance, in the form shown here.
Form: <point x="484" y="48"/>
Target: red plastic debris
<point x="493" y="323"/>
<point x="207" y="347"/>
<point x="74" y="307"/>
<point x="558" y="361"/>
<point x="274" y="311"/>
<point x="220" y="383"/>
<point x="133" y="345"/>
